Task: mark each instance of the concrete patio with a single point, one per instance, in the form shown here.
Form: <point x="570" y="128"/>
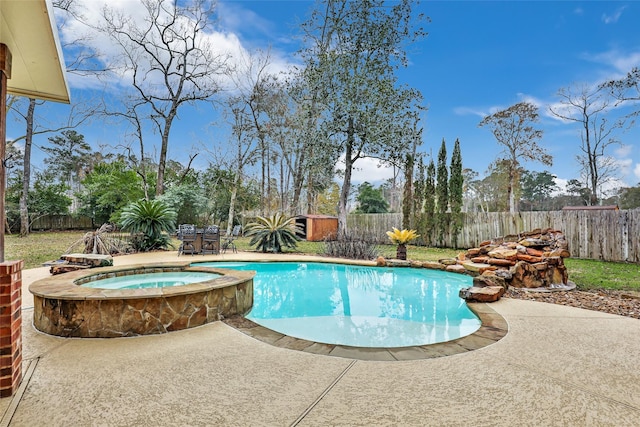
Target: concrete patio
<point x="556" y="366"/>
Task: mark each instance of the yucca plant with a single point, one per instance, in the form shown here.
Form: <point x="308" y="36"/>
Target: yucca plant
<point x="271" y="234"/>
<point x="401" y="238"/>
<point x="150" y="218"/>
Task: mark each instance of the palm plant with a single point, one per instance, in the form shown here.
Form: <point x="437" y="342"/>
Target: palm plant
<point x="273" y="233"/>
<point x="401" y="238"/>
<point x="151" y="219"/>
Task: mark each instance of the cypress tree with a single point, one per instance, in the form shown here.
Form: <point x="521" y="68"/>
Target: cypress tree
<point x="456" y="181"/>
<point x="430" y="201"/>
<point x="418" y="200"/>
<point x="442" y="193"/>
<point x="407" y="195"/>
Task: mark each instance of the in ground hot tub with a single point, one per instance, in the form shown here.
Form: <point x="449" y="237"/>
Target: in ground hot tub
<point x="63" y="307"/>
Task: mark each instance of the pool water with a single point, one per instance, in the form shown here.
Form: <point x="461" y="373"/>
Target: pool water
<point x="151" y="280"/>
<point x="357" y="305"/>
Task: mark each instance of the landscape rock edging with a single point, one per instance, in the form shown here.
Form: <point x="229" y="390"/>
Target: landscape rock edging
<point x="533" y="260"/>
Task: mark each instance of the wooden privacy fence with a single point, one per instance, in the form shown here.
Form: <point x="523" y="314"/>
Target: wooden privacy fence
<point x="62" y="222"/>
<point x="604" y="235"/>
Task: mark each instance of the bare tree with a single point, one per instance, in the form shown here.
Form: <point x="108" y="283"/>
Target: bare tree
<point x="472" y="202"/>
<point x="81" y="62"/>
<point x="169" y="60"/>
<point x="626" y="89"/>
<point x="81" y="56"/>
<point x="279" y="126"/>
<point x="139" y="158"/>
<point x="245" y="153"/>
<point x="78" y="114"/>
<point x="254" y="84"/>
<point x="586" y="107"/>
<point x="514" y="129"/>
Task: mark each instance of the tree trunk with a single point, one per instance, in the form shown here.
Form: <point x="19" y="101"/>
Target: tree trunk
<point x="346" y="183"/>
<point x="407" y="199"/>
<point x="237" y="179"/>
<point x="161" y="167"/>
<point x="311" y="194"/>
<point x="269" y="198"/>
<point x="283" y="207"/>
<point x="162" y="162"/>
<point x="298" y="182"/>
<point x="232" y="203"/>
<point x="401" y="252"/>
<point x="26" y="171"/>
<point x="510" y="189"/>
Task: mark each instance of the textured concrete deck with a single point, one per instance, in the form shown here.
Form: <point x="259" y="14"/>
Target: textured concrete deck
<point x="556" y="366"/>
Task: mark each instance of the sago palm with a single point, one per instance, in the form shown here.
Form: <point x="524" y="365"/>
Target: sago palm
<point x="401" y="238"/>
<point x="151" y="218"/>
<point x="272" y="233"/>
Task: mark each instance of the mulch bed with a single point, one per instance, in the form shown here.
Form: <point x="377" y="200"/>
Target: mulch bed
<point x="623" y="303"/>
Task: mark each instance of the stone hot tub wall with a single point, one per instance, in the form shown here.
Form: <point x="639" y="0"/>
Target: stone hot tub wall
<point x="63" y="308"/>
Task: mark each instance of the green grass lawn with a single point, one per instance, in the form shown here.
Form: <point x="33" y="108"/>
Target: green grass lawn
<point x="38" y="248"/>
<point x="592" y="274"/>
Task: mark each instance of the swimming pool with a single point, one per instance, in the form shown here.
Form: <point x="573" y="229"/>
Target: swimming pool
<point x="358" y="306"/>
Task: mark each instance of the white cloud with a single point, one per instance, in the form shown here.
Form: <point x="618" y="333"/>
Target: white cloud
<point x="466" y="111"/>
<point x="368" y="169"/>
<point x="571" y="99"/>
<point x="618" y="63"/>
<point x="613" y="18"/>
<point x="624" y="166"/>
<point x="220" y="43"/>
<point x="623" y="159"/>
<point x="611" y="187"/>
<point x="562" y="186"/>
<point x="531" y="100"/>
<point x="234" y="17"/>
<point x="482" y="113"/>
<point x="614" y="65"/>
<point x="636" y="171"/>
<point x="623" y="151"/>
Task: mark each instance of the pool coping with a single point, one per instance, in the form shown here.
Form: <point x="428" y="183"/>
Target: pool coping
<point x="68" y="285"/>
<point x="493" y="328"/>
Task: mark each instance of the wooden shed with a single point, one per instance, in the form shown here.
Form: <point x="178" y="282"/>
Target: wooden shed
<point x="315" y="228"/>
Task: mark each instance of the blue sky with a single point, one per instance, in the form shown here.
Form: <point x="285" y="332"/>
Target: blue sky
<point x="478" y="58"/>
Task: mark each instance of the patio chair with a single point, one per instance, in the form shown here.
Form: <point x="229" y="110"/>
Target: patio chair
<point x="187" y="236"/>
<point x="229" y="241"/>
<point x="211" y="240"/>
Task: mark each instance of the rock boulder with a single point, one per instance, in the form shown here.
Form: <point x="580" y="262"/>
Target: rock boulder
<point x="484" y="294"/>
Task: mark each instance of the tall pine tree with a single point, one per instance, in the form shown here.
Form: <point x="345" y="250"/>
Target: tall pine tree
<point x="407" y="195"/>
<point x="442" y="194"/>
<point x="430" y="201"/>
<point x="456" y="181"/>
<point x="418" y="200"/>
